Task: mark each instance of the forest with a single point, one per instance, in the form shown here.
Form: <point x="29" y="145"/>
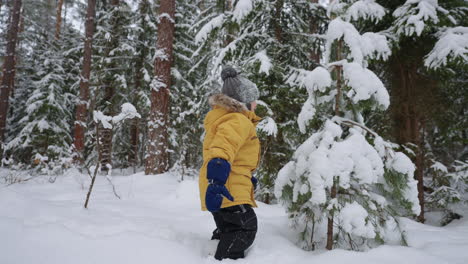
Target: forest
<point x="363" y="102"/>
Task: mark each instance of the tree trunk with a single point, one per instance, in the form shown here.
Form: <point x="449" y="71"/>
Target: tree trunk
<point x="139" y="64"/>
<point x="9" y="68"/>
<point x="134" y="132"/>
<point x="21" y="23"/>
<point x="277" y="20"/>
<point x="105" y="153"/>
<point x="231" y="28"/>
<point x="408" y="117"/>
<point x="157" y="158"/>
<point x="339" y="82"/>
<point x="58" y="23"/>
<point x="81" y="107"/>
<point x="314" y="27"/>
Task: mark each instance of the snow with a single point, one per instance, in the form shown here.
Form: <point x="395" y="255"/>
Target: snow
<point x="414" y="14"/>
<point x="100" y="117"/>
<point x="364" y="85"/>
<point x="369" y="45"/>
<point x="167" y="16"/>
<point x="314" y="81"/>
<point x="128" y="112"/>
<point x="158" y="220"/>
<point x="265" y="62"/>
<point x="242" y="9"/>
<point x="402" y="164"/>
<point x="452" y="44"/>
<point x="157" y="84"/>
<point x="307" y="113"/>
<point x="320" y="158"/>
<point x="366" y="9"/>
<point x="353" y="219"/>
<point x="268" y="125"/>
<point x="216" y="22"/>
<point x="437" y="166"/>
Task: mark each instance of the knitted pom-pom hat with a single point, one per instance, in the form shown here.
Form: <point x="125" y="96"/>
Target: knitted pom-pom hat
<point x="238" y="87"/>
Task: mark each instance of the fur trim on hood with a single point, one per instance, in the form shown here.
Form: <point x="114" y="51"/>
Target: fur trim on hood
<point x="228" y="103"/>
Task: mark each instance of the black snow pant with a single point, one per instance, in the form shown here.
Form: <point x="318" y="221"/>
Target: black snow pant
<point x="236" y="227"/>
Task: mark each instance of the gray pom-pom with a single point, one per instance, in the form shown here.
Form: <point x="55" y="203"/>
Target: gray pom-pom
<point x="228" y="72"/>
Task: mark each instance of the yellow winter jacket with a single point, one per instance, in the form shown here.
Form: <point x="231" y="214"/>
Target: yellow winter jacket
<point x="230" y="134"/>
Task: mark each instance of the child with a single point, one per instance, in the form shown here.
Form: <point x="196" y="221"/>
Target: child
<point x="231" y="152"/>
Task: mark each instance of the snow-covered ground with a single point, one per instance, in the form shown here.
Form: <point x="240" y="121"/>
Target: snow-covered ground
<point x="158" y="220"/>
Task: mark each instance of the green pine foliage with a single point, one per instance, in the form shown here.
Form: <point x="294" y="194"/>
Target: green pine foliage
<point x="188" y="94"/>
<point x="41" y="112"/>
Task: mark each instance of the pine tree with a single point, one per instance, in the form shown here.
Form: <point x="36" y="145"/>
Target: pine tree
<point x="157" y="159"/>
<point x="81" y="113"/>
<point x="345" y="183"/>
<point x="8" y="73"/>
<point x="112" y="49"/>
<point x="47" y="131"/>
<point x="188" y="94"/>
<point x="39" y="122"/>
<point x="427" y="37"/>
<point x="144" y="36"/>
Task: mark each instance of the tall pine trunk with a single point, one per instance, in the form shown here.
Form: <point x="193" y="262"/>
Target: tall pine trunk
<point x="82" y="106"/>
<point x="314" y="28"/>
<point x="408" y="116"/>
<point x="133" y="159"/>
<point x="339" y="83"/>
<point x="277" y="20"/>
<point x="9" y="68"/>
<point x="157" y="158"/>
<point x="58" y="22"/>
<point x="105" y="151"/>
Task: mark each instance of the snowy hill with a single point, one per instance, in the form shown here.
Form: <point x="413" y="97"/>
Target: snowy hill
<point x="158" y="220"/>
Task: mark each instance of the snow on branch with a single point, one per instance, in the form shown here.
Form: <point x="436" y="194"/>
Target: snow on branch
<point x="165" y="15"/>
<point x="128" y="112"/>
<point x="208" y="27"/>
<point x="242" y="9"/>
<point x="265" y="62"/>
<point x="268" y="125"/>
<point x="366" y="9"/>
<point x="364" y="84"/>
<point x="321" y="158"/>
<point x="317" y="80"/>
<point x="412" y="17"/>
<point x="453" y="44"/>
<point x="369" y="45"/>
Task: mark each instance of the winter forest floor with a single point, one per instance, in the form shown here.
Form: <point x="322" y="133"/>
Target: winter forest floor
<point x="158" y="220"/>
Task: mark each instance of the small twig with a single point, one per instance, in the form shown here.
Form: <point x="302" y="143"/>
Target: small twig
<point x="352" y="123"/>
<point x="95" y="170"/>
<point x="82" y="161"/>
<point x="113" y="187"/>
<point x="18" y="181"/>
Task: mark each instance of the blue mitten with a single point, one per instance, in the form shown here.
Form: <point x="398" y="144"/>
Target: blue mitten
<point x="214" y="196"/>
<point x="217" y="173"/>
<point x="254" y="182"/>
<point x="218" y="170"/>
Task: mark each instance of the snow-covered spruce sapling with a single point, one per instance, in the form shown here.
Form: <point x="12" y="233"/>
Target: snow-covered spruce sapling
<point x="109" y="122"/>
<point x="448" y="190"/>
<point x="345" y="185"/>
